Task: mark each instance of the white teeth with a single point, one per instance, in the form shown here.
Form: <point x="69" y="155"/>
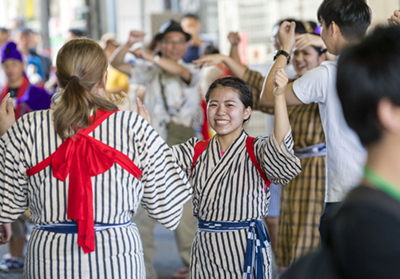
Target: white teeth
<point x="222" y="121"/>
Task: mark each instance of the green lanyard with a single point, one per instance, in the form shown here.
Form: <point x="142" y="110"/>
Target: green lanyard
<point x="381" y="183"/>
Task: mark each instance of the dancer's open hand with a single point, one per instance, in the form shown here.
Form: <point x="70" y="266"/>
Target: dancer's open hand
<point x="7" y="114"/>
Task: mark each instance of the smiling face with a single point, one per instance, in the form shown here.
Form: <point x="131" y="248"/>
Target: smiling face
<point x="226" y="112"/>
<point x="306" y="59"/>
<point x="173" y="45"/>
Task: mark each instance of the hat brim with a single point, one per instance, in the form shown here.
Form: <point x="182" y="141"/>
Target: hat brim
<point x="160" y="36"/>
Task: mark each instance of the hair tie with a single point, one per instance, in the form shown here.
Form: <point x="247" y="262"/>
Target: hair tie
<point x="74" y="77"/>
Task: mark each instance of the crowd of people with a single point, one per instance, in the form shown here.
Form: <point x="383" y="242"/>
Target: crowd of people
<point x="94" y="175"/>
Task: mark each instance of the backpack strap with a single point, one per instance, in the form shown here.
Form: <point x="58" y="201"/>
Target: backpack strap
<point x="252" y="155"/>
<point x="198" y="149"/>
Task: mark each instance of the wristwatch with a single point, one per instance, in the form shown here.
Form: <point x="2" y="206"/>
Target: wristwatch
<point x="282" y="52"/>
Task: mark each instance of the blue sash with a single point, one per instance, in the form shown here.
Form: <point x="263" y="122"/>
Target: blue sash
<point x="257" y="239"/>
<point x="71" y="227"/>
<point x="311" y="151"/>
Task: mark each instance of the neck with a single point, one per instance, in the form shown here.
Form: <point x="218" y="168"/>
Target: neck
<point x="225" y="141"/>
<point x="343" y="43"/>
<point x="15" y="83"/>
<point x="384" y="160"/>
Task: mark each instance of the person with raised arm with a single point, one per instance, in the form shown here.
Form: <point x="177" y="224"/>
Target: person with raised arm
<point x="344" y="23"/>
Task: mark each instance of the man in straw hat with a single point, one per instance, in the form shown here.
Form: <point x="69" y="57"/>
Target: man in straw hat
<point x="173" y="102"/>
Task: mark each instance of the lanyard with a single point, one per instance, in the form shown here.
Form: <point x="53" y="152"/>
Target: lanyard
<point x="381" y="183"/>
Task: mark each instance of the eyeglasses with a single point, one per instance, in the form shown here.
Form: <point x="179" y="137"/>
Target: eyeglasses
<point x="171" y="42"/>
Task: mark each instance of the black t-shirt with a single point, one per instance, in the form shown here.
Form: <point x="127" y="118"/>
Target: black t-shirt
<point x="13" y="92"/>
<point x="363" y="240"/>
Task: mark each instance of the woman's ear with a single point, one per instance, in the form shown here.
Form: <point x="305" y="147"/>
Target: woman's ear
<point x="321" y="58"/>
<point x="247" y="113"/>
<point x="389" y="116"/>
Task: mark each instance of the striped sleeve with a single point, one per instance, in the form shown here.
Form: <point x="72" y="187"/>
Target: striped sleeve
<point x="166" y="188"/>
<point x="13" y="178"/>
<point x="278" y="162"/>
<point x="184" y="153"/>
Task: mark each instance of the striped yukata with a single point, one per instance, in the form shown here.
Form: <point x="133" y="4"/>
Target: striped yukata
<point x="302" y="200"/>
<point x="229" y="188"/>
<point x="163" y="189"/>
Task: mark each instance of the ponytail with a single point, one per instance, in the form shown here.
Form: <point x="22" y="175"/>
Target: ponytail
<point x="81" y="64"/>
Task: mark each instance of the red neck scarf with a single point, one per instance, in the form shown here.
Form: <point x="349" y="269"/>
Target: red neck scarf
<point x="83" y="157"/>
<point x="21" y="91"/>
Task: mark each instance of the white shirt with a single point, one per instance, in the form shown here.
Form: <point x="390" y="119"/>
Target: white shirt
<point x="345" y="156"/>
<point x="183" y="99"/>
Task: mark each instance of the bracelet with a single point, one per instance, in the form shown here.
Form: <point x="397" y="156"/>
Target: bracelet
<point x="156" y="59"/>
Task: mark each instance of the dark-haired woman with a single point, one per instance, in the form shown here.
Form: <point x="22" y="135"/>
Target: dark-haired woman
<point x="302" y="200"/>
<point x="83" y="168"/>
<point x="228" y="175"/>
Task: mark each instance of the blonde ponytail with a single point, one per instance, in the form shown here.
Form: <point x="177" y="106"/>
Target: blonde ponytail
<point x="80" y="64"/>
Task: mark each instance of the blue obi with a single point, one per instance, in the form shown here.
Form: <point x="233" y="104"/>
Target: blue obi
<point x="257" y="239"/>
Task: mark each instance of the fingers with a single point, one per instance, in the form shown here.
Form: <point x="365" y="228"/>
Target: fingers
<point x="395" y="20"/>
<point x="7" y="106"/>
<point x="280" y="78"/>
<point x="142" y="111"/>
<point x="3" y="104"/>
<point x="6" y="233"/>
<point x="201" y="62"/>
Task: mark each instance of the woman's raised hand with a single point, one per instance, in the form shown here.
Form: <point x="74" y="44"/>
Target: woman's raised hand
<point x="280" y="81"/>
<point x="305" y="40"/>
<point x="234" y="38"/>
<point x="7" y="115"/>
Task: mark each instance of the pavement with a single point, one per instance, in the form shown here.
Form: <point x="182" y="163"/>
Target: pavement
<point x="166" y="260"/>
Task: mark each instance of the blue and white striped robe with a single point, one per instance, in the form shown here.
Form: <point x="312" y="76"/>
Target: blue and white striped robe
<point x="163" y="189"/>
<point x="229" y="188"/>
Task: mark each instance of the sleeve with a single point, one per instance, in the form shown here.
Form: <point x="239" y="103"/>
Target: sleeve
<point x="142" y="72"/>
<point x="278" y="162"/>
<point x="37" y="98"/>
<point x="195" y="76"/>
<point x="165" y="186"/>
<point x="184" y="154"/>
<point x="312" y="87"/>
<point x="256" y="82"/>
<point x="13" y="178"/>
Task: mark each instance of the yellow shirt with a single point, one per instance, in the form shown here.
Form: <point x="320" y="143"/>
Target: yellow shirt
<point x="117" y="81"/>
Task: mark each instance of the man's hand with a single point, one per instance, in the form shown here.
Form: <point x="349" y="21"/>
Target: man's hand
<point x="135" y="37"/>
<point x="394" y="20"/>
<point x="7" y="115"/>
<point x="234" y="38"/>
<point x="6" y="233"/>
<point x="209" y="60"/>
<point x="142" y="54"/>
<point x="286" y="36"/>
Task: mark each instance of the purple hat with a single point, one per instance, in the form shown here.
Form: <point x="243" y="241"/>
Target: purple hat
<point x="9" y="51"/>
